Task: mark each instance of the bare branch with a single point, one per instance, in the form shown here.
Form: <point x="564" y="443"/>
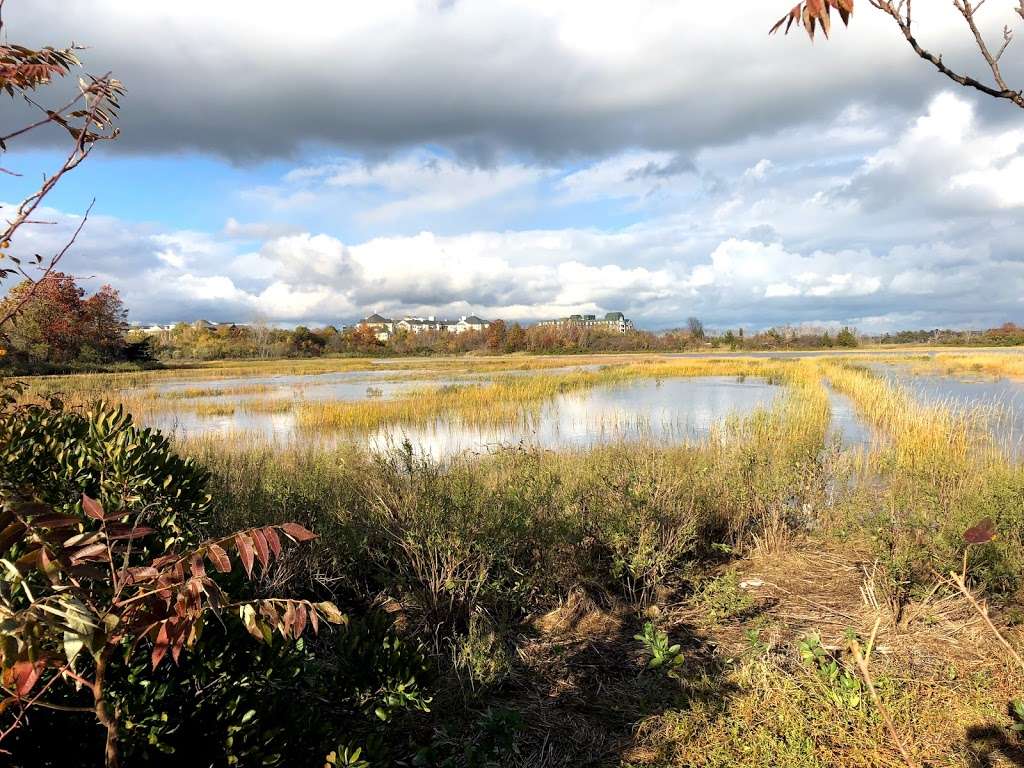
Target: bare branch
<point x="901" y="14"/>
<point x="14" y="311"/>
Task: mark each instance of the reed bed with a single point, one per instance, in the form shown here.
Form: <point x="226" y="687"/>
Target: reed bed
<point x="1008" y="365"/>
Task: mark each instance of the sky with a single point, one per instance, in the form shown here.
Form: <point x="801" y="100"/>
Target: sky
<point x="317" y="161"/>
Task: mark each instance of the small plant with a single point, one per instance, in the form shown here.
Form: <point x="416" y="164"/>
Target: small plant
<point x="843" y="688"/>
<point x="663" y="654"/>
<point x="722" y="597"/>
<point x="344" y="757"/>
<point x="483" y="654"/>
<point x="757" y="645"/>
<point x="1017" y="715"/>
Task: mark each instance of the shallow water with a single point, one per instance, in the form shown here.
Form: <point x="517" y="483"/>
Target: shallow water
<point x="671" y="410"/>
<point x="1004" y="398"/>
<point x="846" y="427"/>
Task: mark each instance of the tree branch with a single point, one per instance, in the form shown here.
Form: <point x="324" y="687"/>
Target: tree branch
<point x="901" y="14"/>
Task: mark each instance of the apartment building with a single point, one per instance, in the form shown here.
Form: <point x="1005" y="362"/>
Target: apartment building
<point x="612" y="321"/>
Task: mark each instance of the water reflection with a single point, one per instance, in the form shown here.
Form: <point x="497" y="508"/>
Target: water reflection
<point x="661" y="411"/>
<point x="674" y="410"/>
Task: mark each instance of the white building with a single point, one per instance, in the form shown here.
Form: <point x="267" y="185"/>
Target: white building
<point x="613" y="321"/>
<point x="382" y="327"/>
<point x="431" y="323"/>
<point x="470" y="323"/>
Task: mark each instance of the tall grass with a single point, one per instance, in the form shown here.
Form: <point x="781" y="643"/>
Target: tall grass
<point x="942" y="471"/>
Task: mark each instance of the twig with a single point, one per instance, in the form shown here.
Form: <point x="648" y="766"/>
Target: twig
<point x="50" y="267"/>
<point x="890" y="726"/>
<point x="982" y="610"/>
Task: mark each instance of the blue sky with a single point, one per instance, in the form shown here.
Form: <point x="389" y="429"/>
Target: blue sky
<point x="529" y="159"/>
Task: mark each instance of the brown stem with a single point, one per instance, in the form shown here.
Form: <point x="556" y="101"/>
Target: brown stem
<point x="890" y="726"/>
<point x="104" y="713"/>
<point x="904" y="22"/>
<point x="982" y="611"/>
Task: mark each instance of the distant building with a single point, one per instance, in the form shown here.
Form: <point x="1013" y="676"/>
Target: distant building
<point x="421" y="324"/>
<point x="613" y="321"/>
<point x="469" y="323"/>
<point x="382" y="327"/>
<point x="431" y="323"/>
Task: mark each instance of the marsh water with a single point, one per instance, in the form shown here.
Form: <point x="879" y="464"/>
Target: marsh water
<point x="1000" y="400"/>
<point x="669" y="410"/>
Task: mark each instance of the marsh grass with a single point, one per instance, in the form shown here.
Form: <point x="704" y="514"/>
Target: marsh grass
<point x="943" y="471"/>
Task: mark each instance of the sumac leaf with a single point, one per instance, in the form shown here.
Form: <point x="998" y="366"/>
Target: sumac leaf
<point x="981" y="533"/>
<point x="97" y="551"/>
<point x="262" y="550"/>
<point x="244" y="546"/>
<point x="219" y="558"/>
<point x="24" y="675"/>
<point x="296" y="532"/>
<point x="273" y="540"/>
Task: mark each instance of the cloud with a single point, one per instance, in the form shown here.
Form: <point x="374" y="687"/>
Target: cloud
<point x="919" y="225"/>
<point x="554" y="81"/>
<point x="415" y="183"/>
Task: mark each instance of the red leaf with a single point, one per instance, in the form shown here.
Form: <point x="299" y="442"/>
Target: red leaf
<point x="25" y="675"/>
<point x="143" y="573"/>
<point x="56" y="521"/>
<point x="262" y="550"/>
<point x="97" y="551"/>
<point x="314" y="620"/>
<point x="981" y="533"/>
<point x="160" y="645"/>
<point x="296" y="532"/>
<point x="273" y="540"/>
<point x="92" y="508"/>
<point x="244" y="546"/>
<point x="288" y="620"/>
<point x="196" y="566"/>
<point x="118" y="532"/>
<point x="219" y="558"/>
<point x="300" y="619"/>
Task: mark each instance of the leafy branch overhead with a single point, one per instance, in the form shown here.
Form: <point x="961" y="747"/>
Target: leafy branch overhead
<point x="88" y="118"/>
<point x="811" y="14"/>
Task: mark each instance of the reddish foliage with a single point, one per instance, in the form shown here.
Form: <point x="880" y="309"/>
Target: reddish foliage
<point x="812" y="13"/>
<point x="981" y="533"/>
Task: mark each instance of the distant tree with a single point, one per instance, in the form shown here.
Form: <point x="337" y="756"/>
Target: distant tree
<point x="811" y="14"/>
<point x="516" y="338"/>
<point x="695" y="327"/>
<point x="496" y="336"/>
<point x="105" y="321"/>
<point x="846" y="338"/>
<point x="306" y="343"/>
<point x="826" y="339"/>
<point x="363" y="337"/>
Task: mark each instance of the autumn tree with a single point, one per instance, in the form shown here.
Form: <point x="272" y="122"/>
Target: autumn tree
<point x="516" y="338"/>
<point x="496" y="336"/>
<point x="815" y="14"/>
<point x="58" y="324"/>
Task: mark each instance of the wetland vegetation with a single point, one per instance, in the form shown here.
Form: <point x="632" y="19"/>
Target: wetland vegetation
<point x="645" y="597"/>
